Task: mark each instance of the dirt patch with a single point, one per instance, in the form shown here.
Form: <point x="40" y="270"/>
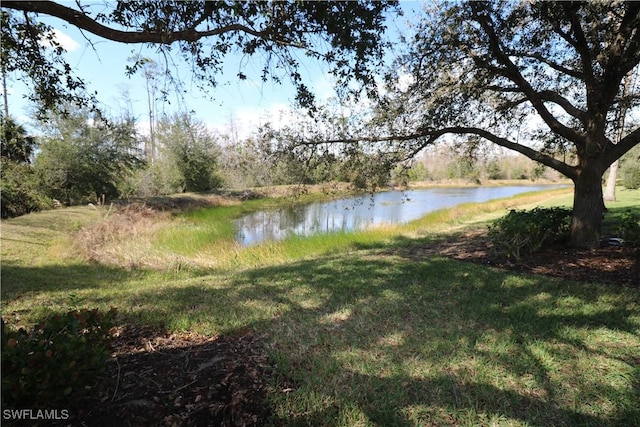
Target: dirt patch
<point x="619" y="265"/>
<point x="155" y="378"/>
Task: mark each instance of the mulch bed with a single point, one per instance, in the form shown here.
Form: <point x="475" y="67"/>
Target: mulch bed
<point x="156" y="378"/>
<point x="617" y="265"/>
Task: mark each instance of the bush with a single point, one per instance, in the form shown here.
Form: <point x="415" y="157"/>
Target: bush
<point x="520" y="232"/>
<point x="61" y="353"/>
<point x="18" y="190"/>
<point x="631" y="176"/>
<point x="629" y="228"/>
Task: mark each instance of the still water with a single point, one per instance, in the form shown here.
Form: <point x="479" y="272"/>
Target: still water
<point x="356" y="213"/>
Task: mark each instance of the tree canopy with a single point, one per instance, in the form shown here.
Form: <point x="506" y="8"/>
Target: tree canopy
<point x="346" y="35"/>
<point x="84" y="156"/>
<point x="500" y="63"/>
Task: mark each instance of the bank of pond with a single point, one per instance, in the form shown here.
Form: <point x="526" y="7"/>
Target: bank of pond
<point x="364" y="211"/>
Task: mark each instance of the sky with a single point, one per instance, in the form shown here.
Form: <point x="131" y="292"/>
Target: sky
<point x="248" y="103"/>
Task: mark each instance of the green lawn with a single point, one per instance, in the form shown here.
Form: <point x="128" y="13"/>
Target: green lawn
<point x="363" y="334"/>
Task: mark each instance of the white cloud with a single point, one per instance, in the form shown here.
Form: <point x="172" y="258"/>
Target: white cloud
<point x="62" y="39"/>
<point x="247" y="120"/>
<point x="324" y="87"/>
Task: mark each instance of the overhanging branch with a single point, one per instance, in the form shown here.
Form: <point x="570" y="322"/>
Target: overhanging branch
<point x="431" y="135"/>
<point x="510" y="71"/>
<point x="85" y="22"/>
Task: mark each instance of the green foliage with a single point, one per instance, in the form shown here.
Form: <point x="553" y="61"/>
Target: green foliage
<point x="345" y="35"/>
<point x="17" y="181"/>
<point x="493" y="169"/>
<point x="17" y="146"/>
<point x="85" y="156"/>
<point x="631" y="176"/>
<point x="629" y="228"/>
<point x="19" y="190"/>
<point x="161" y="177"/>
<point x="418" y="172"/>
<point x="522" y="232"/>
<point x="60" y="354"/>
<point x="191" y="151"/>
<point x="32" y="49"/>
<point x="463" y="168"/>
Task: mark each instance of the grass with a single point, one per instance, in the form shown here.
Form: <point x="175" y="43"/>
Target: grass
<point x="360" y="334"/>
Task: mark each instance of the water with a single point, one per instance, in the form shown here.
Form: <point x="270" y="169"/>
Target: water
<point x="390" y="207"/>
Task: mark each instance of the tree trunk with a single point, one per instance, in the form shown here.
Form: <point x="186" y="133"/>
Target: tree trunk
<point x="587" y="211"/>
<point x="610" y="188"/>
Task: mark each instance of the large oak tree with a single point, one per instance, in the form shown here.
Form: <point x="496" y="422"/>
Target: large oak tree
<point x="544" y="79"/>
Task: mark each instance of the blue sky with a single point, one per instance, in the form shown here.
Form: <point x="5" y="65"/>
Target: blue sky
<point x="101" y="64"/>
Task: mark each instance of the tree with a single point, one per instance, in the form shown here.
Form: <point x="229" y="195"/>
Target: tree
<point x="189" y="148"/>
<point x="17" y="181"/>
<point x="612" y="178"/>
<point x="17" y="146"/>
<point x="83" y="156"/>
<point x="538" y="78"/>
<point x="30" y="48"/>
<point x="344" y="34"/>
<point x="151" y="73"/>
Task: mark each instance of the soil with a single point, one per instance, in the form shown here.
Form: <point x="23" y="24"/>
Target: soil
<point x="615" y="265"/>
<point x="156" y="378"/>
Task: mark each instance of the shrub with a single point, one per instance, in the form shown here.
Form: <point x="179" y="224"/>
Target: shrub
<point x="18" y="190"/>
<point x="61" y="353"/>
<point x="629" y="228"/>
<point x="631" y="176"/>
<point x="521" y="232"/>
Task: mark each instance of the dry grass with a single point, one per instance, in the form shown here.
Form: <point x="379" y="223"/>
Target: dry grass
<point x="122" y="237"/>
<point x="125" y="236"/>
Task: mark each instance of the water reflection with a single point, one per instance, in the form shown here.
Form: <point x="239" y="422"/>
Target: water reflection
<point x="361" y="212"/>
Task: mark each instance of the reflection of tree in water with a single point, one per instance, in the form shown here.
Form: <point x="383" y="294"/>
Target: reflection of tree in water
<point x="361" y="212"/>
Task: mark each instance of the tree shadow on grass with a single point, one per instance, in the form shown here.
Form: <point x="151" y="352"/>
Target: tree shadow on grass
<point x="444" y="400"/>
<point x="18" y="279"/>
<point x="346" y="330"/>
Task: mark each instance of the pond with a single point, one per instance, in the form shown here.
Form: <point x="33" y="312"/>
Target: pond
<point x="389" y="207"/>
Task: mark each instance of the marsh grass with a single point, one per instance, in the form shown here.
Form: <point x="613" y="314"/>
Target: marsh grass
<point x="359" y="334"/>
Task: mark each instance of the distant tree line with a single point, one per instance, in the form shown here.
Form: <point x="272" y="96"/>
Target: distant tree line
<point x="82" y="157"/>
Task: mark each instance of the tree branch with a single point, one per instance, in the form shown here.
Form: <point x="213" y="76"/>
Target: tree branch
<point x="85" y="22"/>
<point x="431" y="135"/>
<point x="551" y="64"/>
<point x="623" y="146"/>
<point x="511" y="72"/>
<point x="545" y="95"/>
<point x="556" y="98"/>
